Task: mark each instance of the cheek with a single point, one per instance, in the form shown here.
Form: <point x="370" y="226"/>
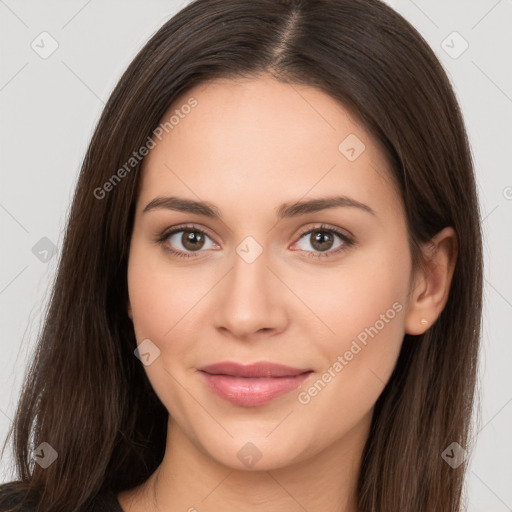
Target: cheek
<point x="367" y="318"/>
<point x="371" y="297"/>
<point x="150" y="300"/>
<point x="349" y="299"/>
<point x="364" y="327"/>
<point x="160" y="297"/>
<point x="162" y="301"/>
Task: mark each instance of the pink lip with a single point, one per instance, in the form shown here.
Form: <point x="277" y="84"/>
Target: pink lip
<point x="252" y="385"/>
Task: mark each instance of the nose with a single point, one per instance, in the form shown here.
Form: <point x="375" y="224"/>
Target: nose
<point x="251" y="301"/>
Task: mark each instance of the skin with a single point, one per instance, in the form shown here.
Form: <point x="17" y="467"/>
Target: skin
<point x="248" y="147"/>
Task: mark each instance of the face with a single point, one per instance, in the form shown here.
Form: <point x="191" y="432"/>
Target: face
<point x="255" y="278"/>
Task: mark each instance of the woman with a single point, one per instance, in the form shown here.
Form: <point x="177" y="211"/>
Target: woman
<point x="269" y="296"/>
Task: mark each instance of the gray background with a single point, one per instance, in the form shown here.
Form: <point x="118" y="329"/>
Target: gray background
<point x="49" y="107"/>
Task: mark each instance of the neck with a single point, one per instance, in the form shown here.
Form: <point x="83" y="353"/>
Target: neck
<point x="190" y="480"/>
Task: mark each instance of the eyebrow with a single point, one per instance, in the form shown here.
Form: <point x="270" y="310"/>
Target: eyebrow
<point x="286" y="210"/>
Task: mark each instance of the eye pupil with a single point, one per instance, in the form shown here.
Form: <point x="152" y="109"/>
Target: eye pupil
<point x="192" y="240"/>
<point x="322" y="240"/>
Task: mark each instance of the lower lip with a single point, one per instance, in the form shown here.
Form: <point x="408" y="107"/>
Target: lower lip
<point x="251" y="392"/>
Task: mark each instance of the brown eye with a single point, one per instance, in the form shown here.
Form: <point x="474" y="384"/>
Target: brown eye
<point x="192" y="240"/>
<point x="184" y="241"/>
<point x="321" y="240"/>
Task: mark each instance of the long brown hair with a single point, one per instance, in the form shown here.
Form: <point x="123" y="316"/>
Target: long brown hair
<point x="85" y="392"/>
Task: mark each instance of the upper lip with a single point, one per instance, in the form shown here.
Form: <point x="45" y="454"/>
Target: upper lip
<point x="260" y="369"/>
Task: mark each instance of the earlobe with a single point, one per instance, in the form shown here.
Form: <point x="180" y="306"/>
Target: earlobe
<point x="431" y="286"/>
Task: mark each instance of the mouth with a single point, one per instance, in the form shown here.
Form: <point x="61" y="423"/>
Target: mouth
<point x="254" y="384"/>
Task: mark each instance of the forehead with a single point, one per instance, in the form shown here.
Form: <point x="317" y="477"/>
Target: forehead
<point x="263" y="138"/>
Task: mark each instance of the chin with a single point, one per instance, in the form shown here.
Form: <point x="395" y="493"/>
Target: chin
<point x="256" y="452"/>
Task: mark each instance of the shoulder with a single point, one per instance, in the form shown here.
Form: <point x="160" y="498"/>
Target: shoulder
<point x="14" y="498"/>
<point x="106" y="501"/>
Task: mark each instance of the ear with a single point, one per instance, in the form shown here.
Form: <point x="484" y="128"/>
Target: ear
<point x="129" y="309"/>
<point x="431" y="284"/>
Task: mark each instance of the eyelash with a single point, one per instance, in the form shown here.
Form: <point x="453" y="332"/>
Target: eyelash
<point x="347" y="241"/>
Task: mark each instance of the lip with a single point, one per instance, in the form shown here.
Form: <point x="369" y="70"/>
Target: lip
<point x="254" y="384"/>
<point x="260" y="369"/>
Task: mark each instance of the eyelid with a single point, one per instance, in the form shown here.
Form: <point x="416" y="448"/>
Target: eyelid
<point x="347" y="241"/>
<point x="326" y="227"/>
<point x="197" y="227"/>
<point x="347" y="238"/>
<point x="166" y="233"/>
